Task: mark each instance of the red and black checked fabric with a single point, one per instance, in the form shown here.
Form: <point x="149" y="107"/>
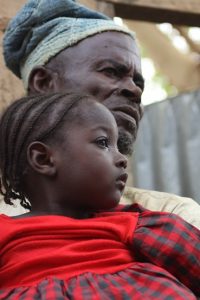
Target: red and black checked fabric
<point x="166" y="265"/>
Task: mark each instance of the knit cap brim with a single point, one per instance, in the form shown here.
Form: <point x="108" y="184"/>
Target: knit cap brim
<point x="43" y="28"/>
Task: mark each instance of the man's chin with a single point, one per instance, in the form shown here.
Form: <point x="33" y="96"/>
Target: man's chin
<point x="125" y="143"/>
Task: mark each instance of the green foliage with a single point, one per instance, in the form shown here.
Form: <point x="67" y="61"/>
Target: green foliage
<point x="163" y="81"/>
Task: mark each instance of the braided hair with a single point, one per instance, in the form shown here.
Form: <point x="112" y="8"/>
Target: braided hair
<point x="32" y="118"/>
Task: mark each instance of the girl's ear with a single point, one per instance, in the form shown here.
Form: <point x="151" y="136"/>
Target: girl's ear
<point x="40" y="159"/>
<point x="41" y="80"/>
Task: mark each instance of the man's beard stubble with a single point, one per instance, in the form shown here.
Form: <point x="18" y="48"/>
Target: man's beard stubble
<point x="125" y="143"/>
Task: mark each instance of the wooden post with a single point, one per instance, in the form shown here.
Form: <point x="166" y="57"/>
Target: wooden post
<point x="106" y="8"/>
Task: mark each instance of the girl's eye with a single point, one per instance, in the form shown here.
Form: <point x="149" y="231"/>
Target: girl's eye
<point x="102" y="142"/>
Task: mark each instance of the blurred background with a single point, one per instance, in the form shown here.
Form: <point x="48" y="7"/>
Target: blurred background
<point x="167" y="151"/>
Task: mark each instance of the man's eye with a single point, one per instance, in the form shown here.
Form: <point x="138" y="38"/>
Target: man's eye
<point x="102" y="142"/>
<point x="140" y="84"/>
<point x="111" y="71"/>
<point x="139" y="81"/>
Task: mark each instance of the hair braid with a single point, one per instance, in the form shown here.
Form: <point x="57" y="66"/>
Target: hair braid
<point x="32" y="118"/>
<point x="11" y="127"/>
<point x="51" y="129"/>
<point x="26" y="120"/>
<point x="4" y="149"/>
<point x="15" y="127"/>
<point x="28" y="105"/>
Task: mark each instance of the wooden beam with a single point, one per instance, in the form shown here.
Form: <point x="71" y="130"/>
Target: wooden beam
<point x="180" y="12"/>
<point x="190" y="6"/>
<point x="143" y="10"/>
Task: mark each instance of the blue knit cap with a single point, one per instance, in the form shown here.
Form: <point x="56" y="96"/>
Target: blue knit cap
<point x="43" y="28"/>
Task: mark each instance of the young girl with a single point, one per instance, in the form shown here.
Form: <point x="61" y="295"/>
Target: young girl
<point x="59" y="153"/>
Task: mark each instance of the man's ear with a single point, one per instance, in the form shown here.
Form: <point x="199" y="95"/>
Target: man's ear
<point x="42" y="80"/>
<point x="40" y="159"/>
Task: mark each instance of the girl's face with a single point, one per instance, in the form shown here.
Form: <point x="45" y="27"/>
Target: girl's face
<point x="90" y="169"/>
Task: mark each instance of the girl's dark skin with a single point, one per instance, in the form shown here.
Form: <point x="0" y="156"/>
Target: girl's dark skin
<point x="82" y="173"/>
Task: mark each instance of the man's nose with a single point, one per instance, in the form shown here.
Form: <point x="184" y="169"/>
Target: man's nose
<point x="130" y="90"/>
<point x="121" y="161"/>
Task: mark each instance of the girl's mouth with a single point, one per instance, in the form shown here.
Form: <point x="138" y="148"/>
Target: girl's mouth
<point x="121" y="181"/>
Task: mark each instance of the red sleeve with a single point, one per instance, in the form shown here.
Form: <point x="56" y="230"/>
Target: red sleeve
<point x="171" y="243"/>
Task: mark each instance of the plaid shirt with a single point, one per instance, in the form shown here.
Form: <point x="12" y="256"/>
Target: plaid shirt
<point x="166" y="265"/>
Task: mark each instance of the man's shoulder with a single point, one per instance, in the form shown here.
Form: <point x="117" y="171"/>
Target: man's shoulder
<point x="186" y="208"/>
<point x="132" y="195"/>
<point x="11" y="210"/>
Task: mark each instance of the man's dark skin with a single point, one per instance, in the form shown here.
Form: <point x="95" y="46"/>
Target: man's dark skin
<point x="106" y="66"/>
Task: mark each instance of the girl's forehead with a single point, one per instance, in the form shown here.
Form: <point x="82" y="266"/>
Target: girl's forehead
<point x="91" y="115"/>
<point x="93" y="111"/>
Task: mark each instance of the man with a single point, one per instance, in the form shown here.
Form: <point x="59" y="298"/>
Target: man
<point x="60" y="45"/>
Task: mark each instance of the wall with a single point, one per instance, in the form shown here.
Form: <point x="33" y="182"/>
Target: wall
<point x="10" y="86"/>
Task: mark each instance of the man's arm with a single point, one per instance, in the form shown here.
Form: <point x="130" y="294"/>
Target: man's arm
<point x="167" y="241"/>
<point x="186" y="208"/>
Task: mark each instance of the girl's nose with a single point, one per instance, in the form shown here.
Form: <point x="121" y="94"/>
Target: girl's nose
<point x="121" y="160"/>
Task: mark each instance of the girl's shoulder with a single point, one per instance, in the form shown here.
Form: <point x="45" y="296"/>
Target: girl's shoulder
<point x="4" y="218"/>
<point x="135" y="207"/>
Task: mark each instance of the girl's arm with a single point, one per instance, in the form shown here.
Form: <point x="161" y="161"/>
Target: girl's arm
<point x="169" y="242"/>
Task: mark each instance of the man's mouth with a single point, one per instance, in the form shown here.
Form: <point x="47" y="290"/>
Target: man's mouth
<point x="129" y="113"/>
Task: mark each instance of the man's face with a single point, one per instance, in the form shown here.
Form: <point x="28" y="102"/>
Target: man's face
<point x="106" y="66"/>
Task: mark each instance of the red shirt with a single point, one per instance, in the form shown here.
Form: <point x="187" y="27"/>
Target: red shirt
<point x="115" y="255"/>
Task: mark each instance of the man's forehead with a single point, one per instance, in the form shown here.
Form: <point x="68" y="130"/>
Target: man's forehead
<point x="104" y="46"/>
<point x="113" y="47"/>
<point x="110" y="41"/>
